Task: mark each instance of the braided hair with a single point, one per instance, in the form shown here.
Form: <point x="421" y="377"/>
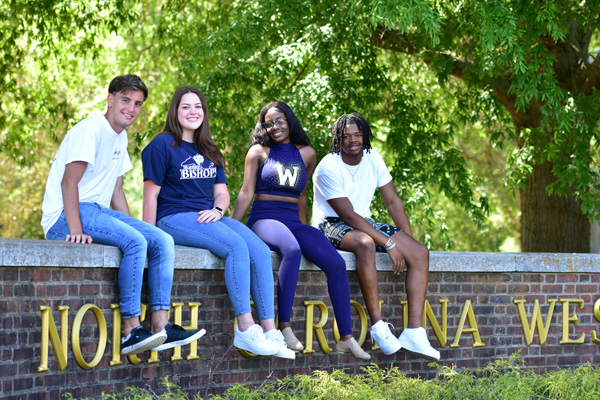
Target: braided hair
<point x="340" y="125"/>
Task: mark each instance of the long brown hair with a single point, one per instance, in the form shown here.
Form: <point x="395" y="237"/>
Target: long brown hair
<point x="203" y="140"/>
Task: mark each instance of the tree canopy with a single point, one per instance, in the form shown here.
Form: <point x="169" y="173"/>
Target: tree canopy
<point x="521" y="76"/>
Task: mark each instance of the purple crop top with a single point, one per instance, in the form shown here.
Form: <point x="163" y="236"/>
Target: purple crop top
<point x="283" y="173"/>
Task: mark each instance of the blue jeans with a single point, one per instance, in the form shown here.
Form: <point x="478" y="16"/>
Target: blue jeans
<point x="248" y="268"/>
<point x="136" y="239"/>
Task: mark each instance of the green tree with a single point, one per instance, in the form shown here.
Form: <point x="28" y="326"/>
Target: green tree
<point x="58" y="60"/>
<point x="538" y="61"/>
<point x="526" y="71"/>
<point x="50" y="39"/>
<point x="424" y="73"/>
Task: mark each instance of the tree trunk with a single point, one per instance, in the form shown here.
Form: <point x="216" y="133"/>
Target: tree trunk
<point x="551" y="223"/>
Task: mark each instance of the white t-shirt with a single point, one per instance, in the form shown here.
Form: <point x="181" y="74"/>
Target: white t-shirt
<point x="333" y="179"/>
<point x="94" y="141"/>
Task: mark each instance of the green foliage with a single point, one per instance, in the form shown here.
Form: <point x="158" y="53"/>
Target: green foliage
<point x="393" y="61"/>
<point x="171" y="392"/>
<point x="317" y="57"/>
<point x="580" y="383"/>
<point x="21" y="201"/>
<point x="501" y="379"/>
<point x="62" y="77"/>
<point x="42" y="43"/>
<point x="504" y="379"/>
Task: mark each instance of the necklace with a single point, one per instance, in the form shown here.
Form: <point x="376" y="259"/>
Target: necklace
<point x="354" y="168"/>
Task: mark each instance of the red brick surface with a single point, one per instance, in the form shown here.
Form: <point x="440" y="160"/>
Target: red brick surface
<point x="25" y="289"/>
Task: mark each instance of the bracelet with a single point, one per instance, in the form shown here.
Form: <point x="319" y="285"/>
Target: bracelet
<point x="391" y="247"/>
<point x="390" y="243"/>
<point x="219" y="210"/>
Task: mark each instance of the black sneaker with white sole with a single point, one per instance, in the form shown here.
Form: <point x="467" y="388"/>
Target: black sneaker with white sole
<point x="140" y="340"/>
<point x="178" y="336"/>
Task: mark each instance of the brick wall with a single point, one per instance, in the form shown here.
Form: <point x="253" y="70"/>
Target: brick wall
<point x="481" y="286"/>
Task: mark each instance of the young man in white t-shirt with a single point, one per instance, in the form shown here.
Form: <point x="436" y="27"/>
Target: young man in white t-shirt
<point x="85" y="181"/>
<point x="344" y="186"/>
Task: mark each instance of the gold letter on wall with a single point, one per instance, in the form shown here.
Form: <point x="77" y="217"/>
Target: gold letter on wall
<point x="467" y="313"/>
<point x="404" y="305"/>
<point x="102" y="334"/>
<point x="118" y="334"/>
<point x="375" y="345"/>
<point x="177" y="318"/>
<point x="363" y="323"/>
<point x="536" y="319"/>
<point x="595" y="338"/>
<point x="573" y="319"/>
<point x="318" y="327"/>
<point x="441" y="334"/>
<point x="59" y="345"/>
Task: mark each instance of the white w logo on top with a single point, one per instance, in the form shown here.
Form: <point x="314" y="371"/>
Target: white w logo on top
<point x="287" y="175"/>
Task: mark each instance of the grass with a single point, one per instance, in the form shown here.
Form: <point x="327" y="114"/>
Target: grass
<point x="505" y="379"/>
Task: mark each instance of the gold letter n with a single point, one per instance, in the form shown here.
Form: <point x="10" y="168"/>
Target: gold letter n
<point x="58" y="344"/>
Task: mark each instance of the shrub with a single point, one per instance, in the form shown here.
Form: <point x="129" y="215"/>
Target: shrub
<point x="505" y="379"/>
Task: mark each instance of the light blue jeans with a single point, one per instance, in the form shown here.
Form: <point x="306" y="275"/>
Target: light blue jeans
<point x="248" y="268"/>
<point x="136" y="239"/>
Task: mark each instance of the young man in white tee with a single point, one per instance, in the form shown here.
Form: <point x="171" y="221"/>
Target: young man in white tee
<point x="344" y="185"/>
<point x="85" y="181"/>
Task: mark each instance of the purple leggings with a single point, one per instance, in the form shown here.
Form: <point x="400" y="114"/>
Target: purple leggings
<point x="278" y="224"/>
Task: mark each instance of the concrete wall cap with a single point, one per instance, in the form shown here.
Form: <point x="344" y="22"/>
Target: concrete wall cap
<point x="47" y="253"/>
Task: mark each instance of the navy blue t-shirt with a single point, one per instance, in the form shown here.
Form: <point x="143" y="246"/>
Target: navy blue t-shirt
<point x="186" y="178"/>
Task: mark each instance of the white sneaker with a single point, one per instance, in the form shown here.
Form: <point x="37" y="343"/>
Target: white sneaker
<point x="275" y="336"/>
<point x="380" y="333"/>
<point x="415" y="341"/>
<point x="255" y="341"/>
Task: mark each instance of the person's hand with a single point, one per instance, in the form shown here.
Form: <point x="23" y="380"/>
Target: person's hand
<point x="206" y="216"/>
<point x="398" y="259"/>
<point x="79" y="238"/>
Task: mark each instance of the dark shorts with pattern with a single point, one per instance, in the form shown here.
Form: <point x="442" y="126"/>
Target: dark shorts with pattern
<point x="335" y="229"/>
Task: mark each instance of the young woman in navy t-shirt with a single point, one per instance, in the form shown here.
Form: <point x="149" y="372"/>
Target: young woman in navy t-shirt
<point x="185" y="194"/>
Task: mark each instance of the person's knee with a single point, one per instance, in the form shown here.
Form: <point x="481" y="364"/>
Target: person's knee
<point x="254" y="250"/>
<point x="365" y="246"/>
<point x="166" y="246"/>
<point x="422" y="253"/>
<point x="164" y="239"/>
<point x="416" y="251"/>
<point x="293" y="253"/>
<point x="136" y="243"/>
<point x="239" y="248"/>
<point x="365" y="251"/>
<point x="261" y="248"/>
<point x="338" y="269"/>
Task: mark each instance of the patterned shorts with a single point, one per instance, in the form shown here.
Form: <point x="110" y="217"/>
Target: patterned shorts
<point x="335" y="229"/>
